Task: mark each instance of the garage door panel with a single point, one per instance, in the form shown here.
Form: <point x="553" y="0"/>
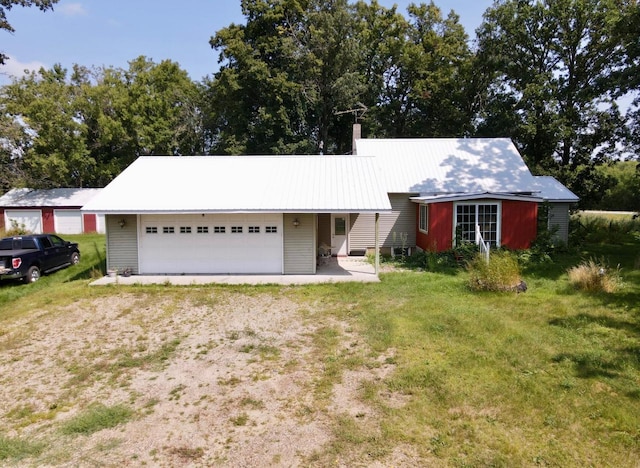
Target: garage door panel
<point x="68" y="221"/>
<point x="210" y="252"/>
<point x="31" y="219"/>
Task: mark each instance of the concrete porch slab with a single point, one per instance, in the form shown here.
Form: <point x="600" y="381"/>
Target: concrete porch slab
<point x="330" y="270"/>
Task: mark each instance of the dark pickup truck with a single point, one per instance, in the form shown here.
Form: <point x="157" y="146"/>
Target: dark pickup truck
<point x="29" y="256"/>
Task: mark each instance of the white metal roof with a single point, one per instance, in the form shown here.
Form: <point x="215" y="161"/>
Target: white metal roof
<point x="552" y="190"/>
<point x="449" y="165"/>
<point x="206" y="184"/>
<point x="58" y="197"/>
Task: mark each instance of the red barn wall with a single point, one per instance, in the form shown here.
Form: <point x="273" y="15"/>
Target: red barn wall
<point x="440" y="235"/>
<point x="519" y="224"/>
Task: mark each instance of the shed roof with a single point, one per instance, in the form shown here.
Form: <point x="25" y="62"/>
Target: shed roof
<point x="209" y="184"/>
<point x="553" y="191"/>
<point x="58" y="197"/>
<point x="431" y="166"/>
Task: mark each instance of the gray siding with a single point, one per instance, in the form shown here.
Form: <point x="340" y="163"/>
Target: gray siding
<point x="122" y="243"/>
<point x="559" y="216"/>
<point x="402" y="219"/>
<point x="299" y="245"/>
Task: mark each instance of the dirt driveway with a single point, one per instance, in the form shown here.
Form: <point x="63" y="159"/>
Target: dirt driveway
<point x="212" y="378"/>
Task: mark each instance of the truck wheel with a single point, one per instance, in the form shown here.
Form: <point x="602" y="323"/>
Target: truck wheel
<point x="75" y="258"/>
<point x="33" y="275"/>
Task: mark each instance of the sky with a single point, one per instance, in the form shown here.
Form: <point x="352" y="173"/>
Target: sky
<point x="114" y="32"/>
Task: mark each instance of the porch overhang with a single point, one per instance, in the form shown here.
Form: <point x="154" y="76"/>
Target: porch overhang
<point x="461" y="197"/>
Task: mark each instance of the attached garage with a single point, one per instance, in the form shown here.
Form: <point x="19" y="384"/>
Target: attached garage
<point x="211" y="243"/>
<point x="230" y="214"/>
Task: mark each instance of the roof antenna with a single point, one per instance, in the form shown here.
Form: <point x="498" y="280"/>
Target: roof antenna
<point x="358" y="113"/>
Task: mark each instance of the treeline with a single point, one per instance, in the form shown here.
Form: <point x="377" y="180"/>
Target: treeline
<point x="297" y="73"/>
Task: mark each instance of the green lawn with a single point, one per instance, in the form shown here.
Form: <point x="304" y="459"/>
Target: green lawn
<point x="548" y="377"/>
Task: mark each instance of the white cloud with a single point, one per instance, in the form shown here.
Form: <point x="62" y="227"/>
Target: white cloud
<point x="16" y="69"/>
<point x="72" y="9"/>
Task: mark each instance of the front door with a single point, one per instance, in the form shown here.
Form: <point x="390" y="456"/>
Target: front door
<point x="339" y="223"/>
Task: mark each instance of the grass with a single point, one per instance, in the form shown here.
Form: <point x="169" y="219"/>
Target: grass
<point x="96" y="418"/>
<point x="548" y="377"/>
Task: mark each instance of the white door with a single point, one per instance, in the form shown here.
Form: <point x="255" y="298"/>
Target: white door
<point x="68" y="221"/>
<point x="31" y="219"/>
<point x="339" y="231"/>
<point x="211" y="244"/>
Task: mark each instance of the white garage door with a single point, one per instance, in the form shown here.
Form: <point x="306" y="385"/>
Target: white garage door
<point x="68" y="221"/>
<point x="31" y="219"/>
<point x="220" y="244"/>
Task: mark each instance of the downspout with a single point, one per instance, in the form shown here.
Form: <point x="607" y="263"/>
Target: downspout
<point x="377" y="242"/>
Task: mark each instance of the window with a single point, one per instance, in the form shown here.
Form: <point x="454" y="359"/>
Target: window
<point x="423" y="222"/>
<point x="271" y="229"/>
<point x="219" y="229"/>
<point x="185" y="229"/>
<point x="485" y="215"/>
<point x="203" y="230"/>
<point x="151" y="230"/>
<point x="254" y="229"/>
<point x="236" y="229"/>
<point x="168" y="230"/>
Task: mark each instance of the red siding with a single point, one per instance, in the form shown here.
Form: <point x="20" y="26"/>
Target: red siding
<point x="2" y="227"/>
<point x="48" y="223"/>
<point x="519" y="224"/>
<point x="89" y="222"/>
<point x="440" y="236"/>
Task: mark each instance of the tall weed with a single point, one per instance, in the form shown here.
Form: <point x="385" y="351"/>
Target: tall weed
<point x="595" y="276"/>
<point x="501" y="273"/>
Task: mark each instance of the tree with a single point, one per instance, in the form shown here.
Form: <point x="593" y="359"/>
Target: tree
<point x="552" y="87"/>
<point x="6" y="5"/>
<point x="427" y="81"/>
<point x="84" y="129"/>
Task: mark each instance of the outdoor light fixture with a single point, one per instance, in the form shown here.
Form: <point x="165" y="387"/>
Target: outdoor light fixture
<point x="122" y="223"/>
<point x="296" y="223"/>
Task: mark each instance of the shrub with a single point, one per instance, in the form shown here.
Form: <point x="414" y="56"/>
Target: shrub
<point x="595" y="276"/>
<point x="501" y="273"/>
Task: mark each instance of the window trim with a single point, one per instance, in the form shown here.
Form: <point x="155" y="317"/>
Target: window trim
<point x="423" y="217"/>
<point x="497" y="203"/>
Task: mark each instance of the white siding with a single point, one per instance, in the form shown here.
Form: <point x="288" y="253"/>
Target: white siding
<point x="299" y="245"/>
<point x="402" y="219"/>
<point x="559" y="216"/>
<point x="122" y="243"/>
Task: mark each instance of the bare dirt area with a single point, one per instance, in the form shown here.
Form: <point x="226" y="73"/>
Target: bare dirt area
<point x="211" y="379"/>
